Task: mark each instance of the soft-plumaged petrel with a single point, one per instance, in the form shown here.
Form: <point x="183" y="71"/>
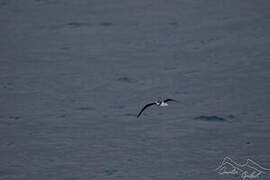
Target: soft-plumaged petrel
<point x="158" y="103"/>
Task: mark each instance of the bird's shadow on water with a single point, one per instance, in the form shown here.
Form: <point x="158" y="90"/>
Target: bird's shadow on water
<point x="214" y="118"/>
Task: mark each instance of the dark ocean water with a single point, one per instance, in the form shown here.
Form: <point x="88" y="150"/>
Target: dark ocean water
<point x="74" y="75"/>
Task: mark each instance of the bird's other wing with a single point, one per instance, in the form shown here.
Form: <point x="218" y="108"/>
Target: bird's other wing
<point x="167" y="100"/>
<point x="146" y="106"/>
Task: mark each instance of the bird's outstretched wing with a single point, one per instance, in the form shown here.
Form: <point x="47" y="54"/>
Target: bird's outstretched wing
<point x="167" y="100"/>
<point x="146" y="106"/>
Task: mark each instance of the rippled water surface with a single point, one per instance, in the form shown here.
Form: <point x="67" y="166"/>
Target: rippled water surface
<point x="74" y="75"/>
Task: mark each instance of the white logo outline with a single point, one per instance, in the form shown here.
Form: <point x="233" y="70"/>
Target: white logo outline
<point x="248" y="170"/>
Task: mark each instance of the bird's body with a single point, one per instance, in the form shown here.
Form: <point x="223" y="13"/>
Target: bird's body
<point x="158" y="103"/>
<point x="163" y="104"/>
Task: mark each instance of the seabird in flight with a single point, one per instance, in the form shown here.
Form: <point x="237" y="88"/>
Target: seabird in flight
<point x="158" y="103"/>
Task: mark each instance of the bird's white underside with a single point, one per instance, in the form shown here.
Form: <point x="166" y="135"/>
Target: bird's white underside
<point x="164" y="104"/>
